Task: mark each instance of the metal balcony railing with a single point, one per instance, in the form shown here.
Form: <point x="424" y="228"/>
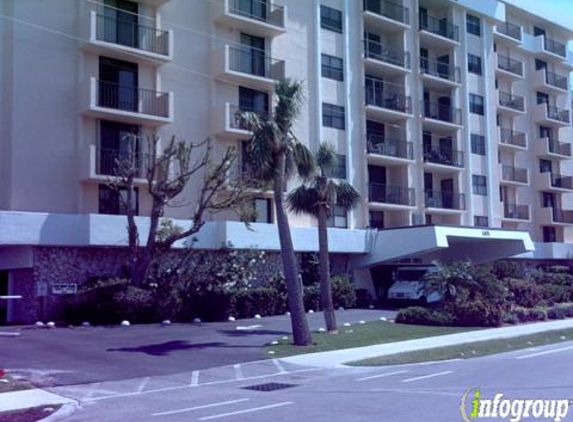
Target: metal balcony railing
<point x="110" y="162"/>
<point x="395" y="195"/>
<point x="562" y="216"/>
<point x="234" y="115"/>
<point x="381" y="145"/>
<point x="444" y="156"/>
<point x="509" y="29"/>
<point x="446" y="200"/>
<point x="510" y="137"/>
<point x="447" y="113"/>
<point x="562" y="182"/>
<point x="514" y="174"/>
<point x="556" y="80"/>
<point x="134" y="99"/>
<point x="387" y="95"/>
<point x="440" y="70"/>
<point x="561" y="148"/>
<point x="556" y="113"/>
<point x="554" y="46"/>
<point x="131" y="34"/>
<point x="509" y="65"/>
<point x="516" y="212"/>
<point x="255" y="62"/>
<point x="439" y="27"/>
<point x="259" y="10"/>
<point x="388" y="9"/>
<point x="515" y="102"/>
<point x="394" y="56"/>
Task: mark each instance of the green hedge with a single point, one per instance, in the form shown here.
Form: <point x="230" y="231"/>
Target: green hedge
<point x="424" y="316"/>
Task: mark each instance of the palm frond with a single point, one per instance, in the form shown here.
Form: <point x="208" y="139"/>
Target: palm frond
<point x="303" y="200"/>
<point x="325" y="157"/>
<point x="249" y="120"/>
<point x="346" y="196"/>
<point x="290" y="96"/>
<point x="303" y="160"/>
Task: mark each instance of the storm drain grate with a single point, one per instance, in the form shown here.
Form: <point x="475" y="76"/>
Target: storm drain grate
<point x="269" y="386"/>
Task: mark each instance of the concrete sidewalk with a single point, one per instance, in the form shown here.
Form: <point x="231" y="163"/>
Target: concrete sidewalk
<point x="340" y="357"/>
<point x="25" y="399"/>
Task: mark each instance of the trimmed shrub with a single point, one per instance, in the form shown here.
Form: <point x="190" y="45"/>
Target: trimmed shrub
<point x="264" y="301"/>
<point x="476" y="314"/>
<point x="509" y="317"/>
<point x="424" y="316"/>
<point x="555" y="293"/>
<point x="538" y="314"/>
<point x="525" y="293"/>
<point x="343" y="293"/>
<point x="560" y="311"/>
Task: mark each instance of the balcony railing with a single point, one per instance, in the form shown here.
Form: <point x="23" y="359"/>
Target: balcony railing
<point x="447" y="113"/>
<point x="377" y="51"/>
<point x="132" y="34"/>
<point x="560" y="148"/>
<point x="444" y="156"/>
<point x="439" y="27"/>
<point x="110" y="162"/>
<point x="509" y="29"/>
<point x="562" y="216"/>
<point x="514" y="174"/>
<point x="234" y="116"/>
<point x="255" y="62"/>
<point x="515" y="102"/>
<point x="446" y="200"/>
<point x="395" y="195"/>
<point x="561" y="182"/>
<point x="555" y="113"/>
<point x="556" y="80"/>
<point x="134" y="99"/>
<point x="381" y="145"/>
<point x="510" y="137"/>
<point x="509" y="65"/>
<point x="387" y="95"/>
<point x="259" y="10"/>
<point x="554" y="46"/>
<point x="440" y="70"/>
<point x="388" y="9"/>
<point x="516" y="212"/>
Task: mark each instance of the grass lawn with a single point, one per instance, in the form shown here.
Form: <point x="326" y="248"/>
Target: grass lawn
<point x="470" y="350"/>
<point x="29" y="415"/>
<point x="359" y="335"/>
<point x="13" y="385"/>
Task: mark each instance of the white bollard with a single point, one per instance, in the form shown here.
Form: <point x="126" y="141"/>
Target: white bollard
<point x="231" y="319"/>
<point x="125" y="323"/>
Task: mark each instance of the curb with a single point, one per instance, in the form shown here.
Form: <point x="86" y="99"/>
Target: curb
<point x="65" y="411"/>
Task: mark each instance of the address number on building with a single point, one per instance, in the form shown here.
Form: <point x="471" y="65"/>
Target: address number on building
<point x="64" y="289"/>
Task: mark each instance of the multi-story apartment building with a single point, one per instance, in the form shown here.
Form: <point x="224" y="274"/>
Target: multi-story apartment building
<point x="453" y="117"/>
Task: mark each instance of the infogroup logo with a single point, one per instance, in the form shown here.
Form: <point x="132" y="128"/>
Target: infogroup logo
<point x="474" y="407"/>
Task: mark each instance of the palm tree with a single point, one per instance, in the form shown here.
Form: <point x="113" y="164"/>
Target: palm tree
<point x="318" y="198"/>
<point x="276" y="156"/>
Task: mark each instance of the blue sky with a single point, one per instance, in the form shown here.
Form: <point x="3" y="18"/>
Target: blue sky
<point x="558" y="11"/>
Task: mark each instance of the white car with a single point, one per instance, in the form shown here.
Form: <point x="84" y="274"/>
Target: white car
<point x="409" y="285"/>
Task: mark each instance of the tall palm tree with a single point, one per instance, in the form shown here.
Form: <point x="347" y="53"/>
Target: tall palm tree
<point x="318" y="197"/>
<point x="276" y="155"/>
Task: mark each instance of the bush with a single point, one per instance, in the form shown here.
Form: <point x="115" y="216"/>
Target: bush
<point x="561" y="311"/>
<point x="555" y="293"/>
<point x="538" y="313"/>
<point x="476" y="314"/>
<point x="509" y="317"/>
<point x="507" y="269"/>
<point x="525" y="293"/>
<point x="343" y="294"/>
<point x="262" y="300"/>
<point x="424" y="316"/>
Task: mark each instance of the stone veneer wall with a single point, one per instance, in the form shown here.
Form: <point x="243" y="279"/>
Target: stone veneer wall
<point x="54" y="265"/>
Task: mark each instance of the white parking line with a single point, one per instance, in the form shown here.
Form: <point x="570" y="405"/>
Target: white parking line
<point x="238" y="372"/>
<point x="205" y="406"/>
<point x="251" y="410"/>
<point x="547" y="352"/>
<point x="386" y="374"/>
<point x="279" y="366"/>
<point x="194" y="378"/>
<point x="437" y="374"/>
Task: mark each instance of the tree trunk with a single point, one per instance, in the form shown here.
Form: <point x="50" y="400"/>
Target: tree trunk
<point x="324" y="272"/>
<point x="300" y="329"/>
<point x="139" y="276"/>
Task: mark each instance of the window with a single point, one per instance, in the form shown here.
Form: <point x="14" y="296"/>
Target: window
<point x="549" y="234"/>
<point x="479" y="184"/>
<point x="263" y="210"/>
<point x="333" y="116"/>
<point x="338" y="170"/>
<point x="542" y="98"/>
<point x="377" y="220"/>
<point x="481" y="221"/>
<point x="476" y="104"/>
<point x="474" y="64"/>
<point x="337" y="218"/>
<point x="112" y="201"/>
<point x="332" y="68"/>
<point x="540" y="64"/>
<point x="473" y="25"/>
<point x="478" y="144"/>
<point x="545" y="166"/>
<point x="253" y="100"/>
<point x="330" y="19"/>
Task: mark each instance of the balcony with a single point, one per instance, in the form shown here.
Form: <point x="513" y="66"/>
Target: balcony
<point x="101" y="165"/>
<point x="507" y="67"/>
<point x="552" y="148"/>
<point x="547" y="48"/>
<point x="256" y="17"/>
<point x="386" y="15"/>
<point x="225" y="122"/>
<point x="555" y="47"/>
<point x="381" y="60"/>
<point x="125" y="39"/>
<point x="556" y="217"/>
<point x="437" y="32"/>
<point x="509" y="32"/>
<point x="437" y="115"/>
<point x="386" y="101"/>
<point x="545" y="80"/>
<point x="510" y="103"/>
<point x="247" y="66"/>
<point x="554" y="182"/>
<point x="515" y="176"/>
<point x="443" y="157"/>
<point x="384" y="151"/>
<point x="449" y="201"/>
<point x="512" y="139"/>
<point x="382" y="196"/>
<point x="128" y="104"/>
<point x="551" y="115"/>
<point x="437" y="74"/>
<point x="516" y="212"/>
